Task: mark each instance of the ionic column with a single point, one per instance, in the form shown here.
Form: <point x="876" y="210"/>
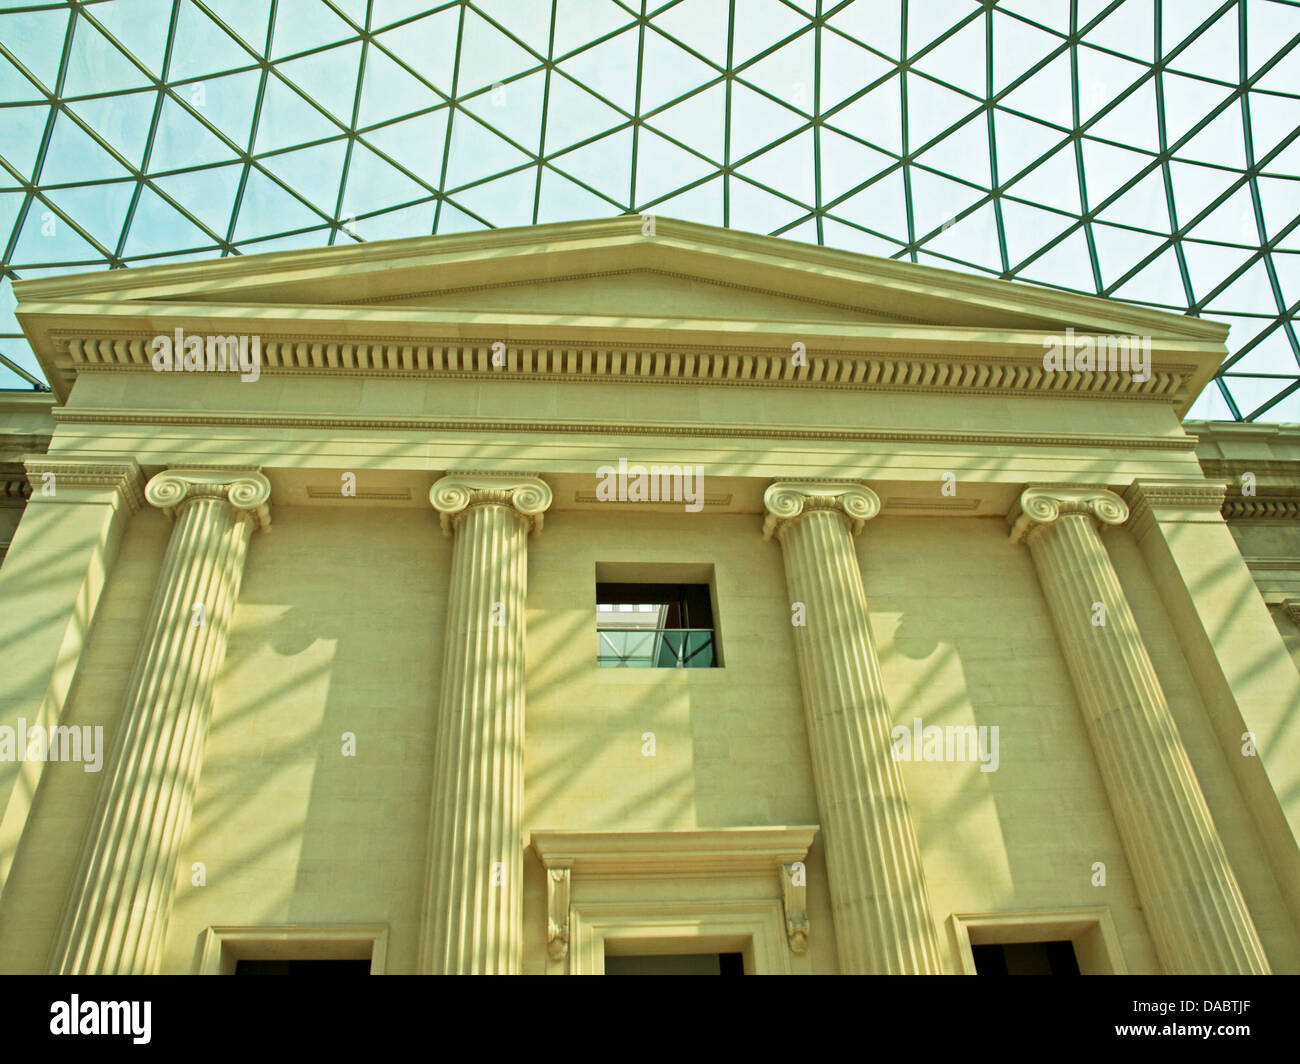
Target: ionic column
<point x="1189" y="894"/>
<point x="122" y="894"/>
<point x="473" y="913"/>
<point x="883" y="923"/>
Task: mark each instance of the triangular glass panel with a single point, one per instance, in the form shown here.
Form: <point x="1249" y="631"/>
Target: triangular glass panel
<point x="1280" y="201"/>
<point x="267" y="209"/>
<point x="1269" y="28"/>
<point x="756" y="210"/>
<point x="1251" y="293"/>
<point x="477" y="152"/>
<point x="667" y="72"/>
<point x="881" y="207"/>
<point x="1027" y="228"/>
<point x="789" y="73"/>
<point x="136" y="26"/>
<point x="1046" y="95"/>
<point x="201" y="47"/>
<point x="96" y="65"/>
<point x="845" y="163"/>
<point x="699" y="24"/>
<point x="24" y="129"/>
<point x="1209" y="264"/>
<point x="875" y="117"/>
<point x="579" y="22"/>
<point x="841" y="235"/>
<point x="574" y="115"/>
<point x="563" y="201"/>
<point x="72" y="156"/>
<point x="47" y="237"/>
<point x="304" y="24"/>
<point x="1106" y="168"/>
<point x="328" y="77"/>
<point x="1144" y="206"/>
<point x="702" y="204"/>
<point x="1160" y="282"/>
<point x="1179" y="20"/>
<point x="15" y="86"/>
<point x="123" y="121"/>
<point x="1119" y="250"/>
<point x="757" y="121"/>
<point x="699" y="121"/>
<point x="157" y="226"/>
<point x="663" y="167"/>
<point x="1129" y="29"/>
<point x="451" y="219"/>
<point x="312" y="172"/>
<point x="789" y="167"/>
<point x="937" y="200"/>
<point x="1017" y="46"/>
<point x="249" y="21"/>
<point x="207" y="194"/>
<point x="515" y="108"/>
<point x="609" y="68"/>
<point x="605" y="165"/>
<point x="1052" y="14"/>
<point x="99" y="209"/>
<point x="1066" y="265"/>
<point x="1195" y="187"/>
<point x="428" y="46"/>
<point x="416" y="220"/>
<point x="963" y="153"/>
<point x="765" y="23"/>
<point x="1220" y="142"/>
<point x="390" y="91"/>
<point x="488" y="56"/>
<point x="287" y="119"/>
<point x="1053" y="182"/>
<point x="931" y="109"/>
<point x="845" y="68"/>
<point x="973" y="239"/>
<point x="227" y="102"/>
<point x="530" y="23"/>
<point x="878" y="25"/>
<point x="1287" y="267"/>
<point x="959" y="60"/>
<point x="372" y="184"/>
<point x="35" y="38"/>
<point x="505" y="201"/>
<point x="1020" y="143"/>
<point x="1233" y="221"/>
<point x="1102" y="78"/>
<point x="415" y="143"/>
<point x="1271" y="119"/>
<point x="1214" y="54"/>
<point x="1187" y="101"/>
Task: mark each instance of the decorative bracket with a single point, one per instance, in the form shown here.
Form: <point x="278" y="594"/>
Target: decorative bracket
<point x="794" y="898"/>
<point x="557" y="908"/>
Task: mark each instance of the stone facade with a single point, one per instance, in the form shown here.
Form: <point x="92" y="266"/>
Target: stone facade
<point x="1005" y="654"/>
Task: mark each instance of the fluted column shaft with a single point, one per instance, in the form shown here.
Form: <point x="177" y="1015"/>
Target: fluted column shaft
<point x="881" y="907"/>
<point x="473" y="916"/>
<point x="1190" y="897"/>
<point x="122" y="895"/>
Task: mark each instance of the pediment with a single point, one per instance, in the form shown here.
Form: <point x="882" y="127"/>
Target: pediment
<point x="608" y="298"/>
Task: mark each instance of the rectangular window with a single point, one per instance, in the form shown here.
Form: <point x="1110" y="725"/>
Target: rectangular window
<point x="655" y="626"/>
<point x="677" y="964"/>
<point x="1026" y="958"/>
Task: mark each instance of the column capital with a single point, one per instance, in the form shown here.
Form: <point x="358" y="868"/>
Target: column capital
<point x="122" y="477"/>
<point x="244" y="487"/>
<point x="1045" y="504"/>
<point x="787" y="500"/>
<point x="528" y="495"/>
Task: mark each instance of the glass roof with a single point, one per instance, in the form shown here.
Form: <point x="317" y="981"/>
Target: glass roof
<point x="1140" y="149"/>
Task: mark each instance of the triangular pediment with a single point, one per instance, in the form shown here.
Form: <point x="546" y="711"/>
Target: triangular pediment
<point x="592" y="298"/>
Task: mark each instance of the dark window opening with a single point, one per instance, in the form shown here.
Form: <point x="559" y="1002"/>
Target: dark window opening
<point x="1026" y="958"/>
<point x="678" y="964"/>
<point x="348" y="967"/>
<point x="655" y="626"/>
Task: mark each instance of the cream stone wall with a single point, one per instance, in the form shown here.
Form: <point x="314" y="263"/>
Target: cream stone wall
<point x="339" y="627"/>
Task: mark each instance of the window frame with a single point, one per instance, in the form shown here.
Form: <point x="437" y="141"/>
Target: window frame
<point x="223" y="946"/>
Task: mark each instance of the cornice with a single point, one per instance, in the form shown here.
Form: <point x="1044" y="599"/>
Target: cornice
<point x="124" y="477"/>
<point x="749" y="365"/>
<point x="1044" y="504"/>
<point x="638" y="854"/>
<point x="407" y="423"/>
<point x="1190" y="495"/>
